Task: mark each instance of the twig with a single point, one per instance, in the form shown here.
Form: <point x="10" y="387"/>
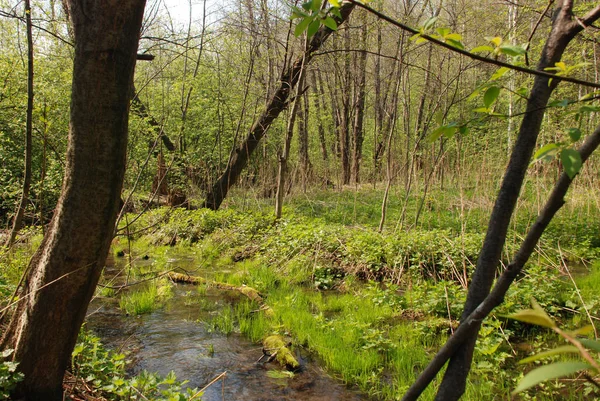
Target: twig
<point x="199" y="393"/>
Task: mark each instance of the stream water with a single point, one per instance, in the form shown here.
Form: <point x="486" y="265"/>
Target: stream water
<point x="178" y="338"/>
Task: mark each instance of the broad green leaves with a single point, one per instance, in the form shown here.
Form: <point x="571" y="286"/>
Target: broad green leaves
<point x="313" y="14"/>
<point x="549" y="372"/>
<point x="537" y="316"/>
<point x="569" y="157"/>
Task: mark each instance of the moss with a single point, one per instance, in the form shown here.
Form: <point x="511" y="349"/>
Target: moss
<point x="275" y="345"/>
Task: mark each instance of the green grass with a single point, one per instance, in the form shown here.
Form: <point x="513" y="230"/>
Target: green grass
<point x="146" y="299"/>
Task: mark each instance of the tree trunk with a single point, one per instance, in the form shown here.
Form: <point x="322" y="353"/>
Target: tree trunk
<point x="564" y="29"/>
<point x="305" y="166"/>
<point x="240" y="156"/>
<point x="64" y="271"/>
<point x="18" y="220"/>
<point x="359" y="107"/>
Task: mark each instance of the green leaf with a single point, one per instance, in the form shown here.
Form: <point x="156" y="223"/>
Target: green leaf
<point x="588" y="109"/>
<point x="302" y="25"/>
<point x="480" y="49"/>
<point x="513" y="51"/>
<point x="536" y="316"/>
<point x="549" y="372"/>
<point x="497" y="41"/>
<point x="313" y="28"/>
<point x="594" y="345"/>
<point x="571" y="160"/>
<point x="574" y="134"/>
<point x="546" y="152"/>
<point x="559" y="103"/>
<point x="565" y="349"/>
<point x="334" y="3"/>
<point x="583" y="331"/>
<point x="330" y="23"/>
<point x="523" y="92"/>
<point x="455" y="43"/>
<point x="490" y="96"/>
<point x="429" y="23"/>
<point x="499" y="73"/>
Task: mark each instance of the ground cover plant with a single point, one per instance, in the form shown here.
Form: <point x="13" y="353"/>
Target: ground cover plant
<point x="371" y="307"/>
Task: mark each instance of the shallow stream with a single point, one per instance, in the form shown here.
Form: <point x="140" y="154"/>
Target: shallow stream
<point x="178" y="337"/>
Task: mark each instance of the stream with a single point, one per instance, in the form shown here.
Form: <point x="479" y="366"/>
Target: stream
<point x="178" y="338"/>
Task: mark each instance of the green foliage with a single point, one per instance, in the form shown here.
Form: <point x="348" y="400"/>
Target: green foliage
<point x="9" y="376"/>
<point x="105" y="371"/>
<point x="146" y="299"/>
<point x="537" y="316"/>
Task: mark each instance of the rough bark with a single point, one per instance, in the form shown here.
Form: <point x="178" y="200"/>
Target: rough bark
<point x="64" y="271"/>
<point x="564" y="29"/>
<point x="240" y="156"/>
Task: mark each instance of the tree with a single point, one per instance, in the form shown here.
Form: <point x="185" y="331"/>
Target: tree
<point x="18" y="219"/>
<point x="62" y="275"/>
<point x="278" y="102"/>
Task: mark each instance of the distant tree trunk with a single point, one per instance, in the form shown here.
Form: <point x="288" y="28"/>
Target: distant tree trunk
<point x="359" y="107"/>
<point x="344" y="126"/>
<point x="305" y="166"/>
<point x="241" y="154"/>
<point x="64" y="271"/>
<point x="18" y="219"/>
<point x="320" y="94"/>
<point x="285" y="154"/>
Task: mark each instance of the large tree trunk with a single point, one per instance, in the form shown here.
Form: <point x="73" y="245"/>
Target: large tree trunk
<point x="240" y="156"/>
<point x="64" y="271"/>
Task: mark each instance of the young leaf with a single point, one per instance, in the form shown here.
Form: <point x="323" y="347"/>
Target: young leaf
<point x="499" y="73"/>
<point x="429" y="23"/>
<point x="313" y="28"/>
<point x="490" y="96"/>
<point x="480" y="49"/>
<point x="583" y="331"/>
<point x="335" y="3"/>
<point x="536" y="315"/>
<point x="574" y="134"/>
<point x="571" y="349"/>
<point x="302" y="25"/>
<point x="571" y="161"/>
<point x="497" y="41"/>
<point x="330" y="23"/>
<point x="549" y="372"/>
<point x="594" y="345"/>
<point x="546" y="152"/>
<point x="512" y="50"/>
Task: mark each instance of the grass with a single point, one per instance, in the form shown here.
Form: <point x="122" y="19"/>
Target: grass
<point x="146" y="299"/>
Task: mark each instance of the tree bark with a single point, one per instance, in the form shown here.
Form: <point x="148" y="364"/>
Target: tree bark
<point x="359" y="107"/>
<point x="64" y="271"/>
<point x="240" y="156"/>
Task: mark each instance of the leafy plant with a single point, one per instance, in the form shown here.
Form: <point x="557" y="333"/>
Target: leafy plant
<point x="9" y="376"/>
<point x="582" y="347"/>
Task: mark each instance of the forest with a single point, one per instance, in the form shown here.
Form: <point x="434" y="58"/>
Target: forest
<point x="299" y="200"/>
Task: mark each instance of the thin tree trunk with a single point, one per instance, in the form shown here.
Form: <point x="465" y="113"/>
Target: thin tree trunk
<point x="240" y="156"/>
<point x="64" y="271"/>
<point x="359" y="107"/>
<point x="565" y="28"/>
<point x="283" y="158"/>
<point x="305" y="166"/>
<point x="18" y="219"/>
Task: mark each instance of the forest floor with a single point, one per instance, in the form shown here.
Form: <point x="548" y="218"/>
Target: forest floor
<point x="371" y="307"/>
